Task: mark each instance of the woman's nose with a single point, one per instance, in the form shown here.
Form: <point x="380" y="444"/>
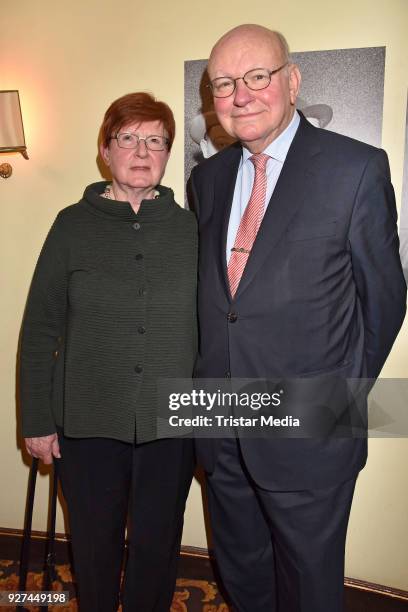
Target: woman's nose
<point x="141" y="149"/>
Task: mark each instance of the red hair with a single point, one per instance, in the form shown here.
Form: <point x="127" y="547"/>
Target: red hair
<point x="136" y="108"/>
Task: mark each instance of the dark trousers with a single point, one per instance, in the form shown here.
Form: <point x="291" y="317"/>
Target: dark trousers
<point x="105" y="482"/>
<point x="277" y="551"/>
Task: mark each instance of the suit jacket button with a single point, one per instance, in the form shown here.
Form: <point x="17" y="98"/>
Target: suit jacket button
<point x="232" y="317"/>
<point x="228" y="374"/>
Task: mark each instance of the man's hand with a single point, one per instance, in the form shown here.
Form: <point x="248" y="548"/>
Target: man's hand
<point x="44" y="447"/>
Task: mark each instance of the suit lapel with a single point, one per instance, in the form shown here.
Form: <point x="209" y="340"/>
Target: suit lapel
<point x="293" y="185"/>
<point x="223" y="196"/>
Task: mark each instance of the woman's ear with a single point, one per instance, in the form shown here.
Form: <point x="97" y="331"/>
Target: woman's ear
<point x="104" y="151"/>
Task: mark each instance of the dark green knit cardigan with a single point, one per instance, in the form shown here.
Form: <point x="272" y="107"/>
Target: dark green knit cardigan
<point x="111" y="309"/>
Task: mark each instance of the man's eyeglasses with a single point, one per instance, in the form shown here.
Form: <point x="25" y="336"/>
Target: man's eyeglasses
<point x="256" y="79"/>
<point x="127" y="140"/>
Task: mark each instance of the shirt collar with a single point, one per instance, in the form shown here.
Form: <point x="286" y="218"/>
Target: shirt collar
<point x="278" y="149"/>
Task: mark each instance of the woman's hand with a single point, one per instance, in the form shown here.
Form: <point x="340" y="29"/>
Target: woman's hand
<point x="44" y="447"/>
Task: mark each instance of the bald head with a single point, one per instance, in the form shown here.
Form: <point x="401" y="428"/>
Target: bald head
<point x="251" y="65"/>
<point x="248" y="34"/>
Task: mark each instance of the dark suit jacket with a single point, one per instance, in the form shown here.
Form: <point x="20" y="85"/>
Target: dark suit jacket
<point x="323" y="290"/>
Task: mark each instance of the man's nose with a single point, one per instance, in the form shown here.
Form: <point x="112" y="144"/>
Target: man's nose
<point x="242" y="93"/>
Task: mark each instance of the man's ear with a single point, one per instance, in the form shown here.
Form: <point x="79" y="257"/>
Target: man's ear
<point x="294" y="82"/>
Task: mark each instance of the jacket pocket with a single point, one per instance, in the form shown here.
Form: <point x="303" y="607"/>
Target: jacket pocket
<point x="321" y="230"/>
<point x="330" y="371"/>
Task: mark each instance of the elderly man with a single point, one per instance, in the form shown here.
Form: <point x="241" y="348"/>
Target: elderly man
<point x="299" y="276"/>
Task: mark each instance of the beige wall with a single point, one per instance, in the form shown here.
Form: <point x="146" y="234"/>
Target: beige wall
<point x="69" y="61"/>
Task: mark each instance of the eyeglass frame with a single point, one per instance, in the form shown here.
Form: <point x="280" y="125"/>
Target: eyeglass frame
<point x="139" y="138"/>
<point x="270" y="72"/>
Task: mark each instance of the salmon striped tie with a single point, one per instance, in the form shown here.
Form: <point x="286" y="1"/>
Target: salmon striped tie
<point x="250" y="222"/>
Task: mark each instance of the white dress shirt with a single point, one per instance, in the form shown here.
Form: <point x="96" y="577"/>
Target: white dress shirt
<point x="277" y="150"/>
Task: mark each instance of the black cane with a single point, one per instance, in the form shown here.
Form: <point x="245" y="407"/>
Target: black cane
<point x="25" y="547"/>
<point x="50" y="553"/>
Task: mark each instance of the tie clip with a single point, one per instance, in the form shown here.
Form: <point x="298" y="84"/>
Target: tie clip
<point x="240" y="250"/>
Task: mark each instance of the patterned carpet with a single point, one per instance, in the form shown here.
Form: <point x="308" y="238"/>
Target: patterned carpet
<point x="191" y="595"/>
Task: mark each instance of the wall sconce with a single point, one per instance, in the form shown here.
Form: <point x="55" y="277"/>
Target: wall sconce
<point x="11" y="128"/>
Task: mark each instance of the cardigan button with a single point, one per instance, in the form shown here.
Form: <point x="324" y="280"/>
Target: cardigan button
<point x="142" y="291"/>
<point x="136" y="226"/>
<point x="139" y="256"/>
<point x="141" y="329"/>
<point x="138" y="369"/>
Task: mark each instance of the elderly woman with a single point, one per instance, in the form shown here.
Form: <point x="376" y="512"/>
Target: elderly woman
<point x="111" y="310"/>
